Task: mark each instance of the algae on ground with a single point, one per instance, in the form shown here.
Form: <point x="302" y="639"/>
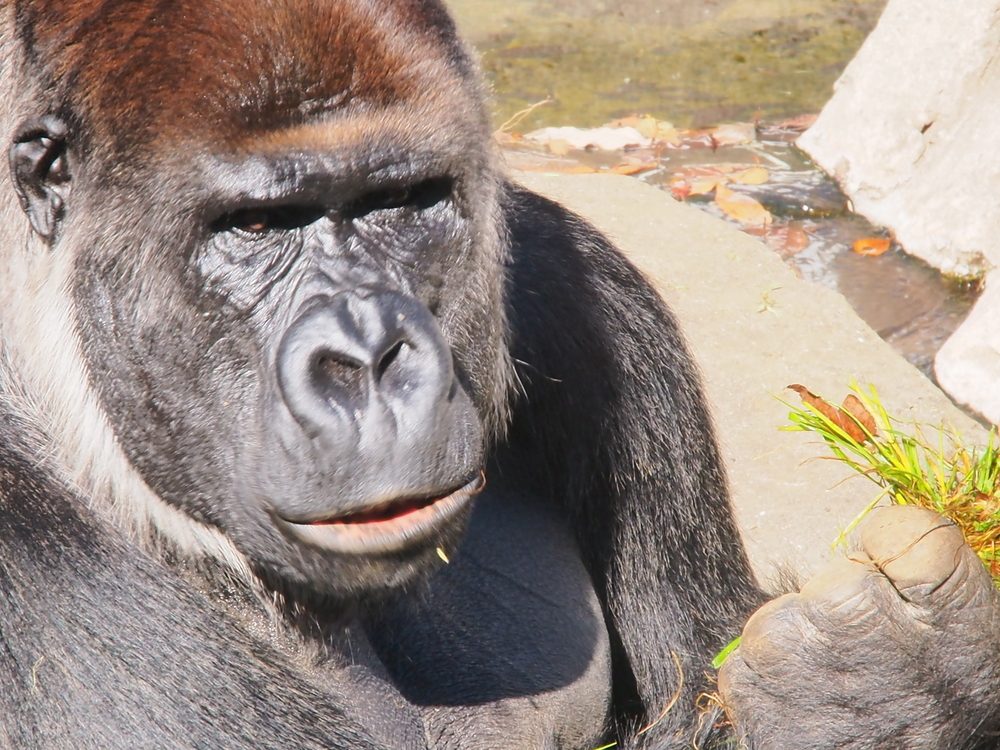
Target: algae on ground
<point x="750" y="59"/>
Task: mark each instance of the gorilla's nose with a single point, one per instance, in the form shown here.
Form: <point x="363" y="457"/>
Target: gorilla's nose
<point x="363" y="355"/>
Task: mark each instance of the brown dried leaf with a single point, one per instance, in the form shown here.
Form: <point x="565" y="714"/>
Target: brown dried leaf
<point x="705" y="185"/>
<point x="844" y="416"/>
<point x="734" y="133"/>
<point x="630" y="168"/>
<point x="872" y="246"/>
<point x="645" y="124"/>
<point x="679" y="188"/>
<point x="788" y="240"/>
<point x="650" y="127"/>
<point x="723" y="169"/>
<point x="751" y="176"/>
<point x="852" y="407"/>
<point x="743" y="208"/>
<point x="824" y="407"/>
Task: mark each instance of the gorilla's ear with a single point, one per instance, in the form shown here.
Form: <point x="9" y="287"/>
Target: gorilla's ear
<point x="40" y="169"/>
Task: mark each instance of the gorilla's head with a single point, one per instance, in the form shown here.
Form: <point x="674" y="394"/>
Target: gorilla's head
<point x="278" y="229"/>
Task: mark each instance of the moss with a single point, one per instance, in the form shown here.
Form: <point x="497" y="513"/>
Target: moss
<point x="747" y="62"/>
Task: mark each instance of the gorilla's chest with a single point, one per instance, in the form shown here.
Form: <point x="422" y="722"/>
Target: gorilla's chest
<point x="509" y="647"/>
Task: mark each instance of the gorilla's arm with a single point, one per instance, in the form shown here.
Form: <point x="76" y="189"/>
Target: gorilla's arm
<point x="899" y="645"/>
<point x="612" y="423"/>
<point x="102" y="647"/>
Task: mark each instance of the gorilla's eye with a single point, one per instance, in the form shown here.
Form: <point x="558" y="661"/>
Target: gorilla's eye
<point x="264" y="219"/>
<point x="419" y="195"/>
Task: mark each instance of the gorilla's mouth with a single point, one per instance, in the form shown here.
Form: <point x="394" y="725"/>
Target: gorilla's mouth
<point x="387" y="526"/>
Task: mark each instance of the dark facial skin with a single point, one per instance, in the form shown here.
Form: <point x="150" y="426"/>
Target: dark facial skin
<point x="279" y="325"/>
<point x="310" y="305"/>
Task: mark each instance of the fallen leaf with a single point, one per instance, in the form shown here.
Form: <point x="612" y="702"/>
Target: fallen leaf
<point x="852" y="417"/>
<point x="642" y="123"/>
<point x="628" y="168"/>
<point x="871" y="246"/>
<point x="728" y="169"/>
<point x="679" y="188"/>
<point x="740" y="207"/>
<point x="787" y="240"/>
<point x="734" y="133"/>
<point x="650" y="127"/>
<point x="604" y="138"/>
<point x="751" y="176"/>
<point x="702" y="179"/>
<point x="706" y="185"/>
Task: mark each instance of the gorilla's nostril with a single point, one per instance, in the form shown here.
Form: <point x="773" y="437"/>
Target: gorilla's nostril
<point x="390" y="356"/>
<point x="329" y="367"/>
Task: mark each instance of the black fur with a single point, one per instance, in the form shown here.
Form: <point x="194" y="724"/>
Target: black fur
<point x="106" y="647"/>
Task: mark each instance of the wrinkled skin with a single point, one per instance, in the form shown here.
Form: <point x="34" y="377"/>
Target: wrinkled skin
<point x="897" y="645"/>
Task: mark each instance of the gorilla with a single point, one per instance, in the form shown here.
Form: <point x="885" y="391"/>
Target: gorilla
<point x="317" y="432"/>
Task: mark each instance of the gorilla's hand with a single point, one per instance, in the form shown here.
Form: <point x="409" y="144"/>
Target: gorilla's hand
<point x="898" y="645"/>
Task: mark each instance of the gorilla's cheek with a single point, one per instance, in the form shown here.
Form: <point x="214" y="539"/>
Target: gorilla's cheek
<point x="174" y="381"/>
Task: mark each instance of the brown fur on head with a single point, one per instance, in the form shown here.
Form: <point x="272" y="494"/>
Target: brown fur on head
<point x="191" y="70"/>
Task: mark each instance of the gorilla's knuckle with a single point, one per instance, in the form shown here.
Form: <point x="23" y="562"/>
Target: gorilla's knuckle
<point x="892" y="531"/>
<point x="917" y="550"/>
<point x="841" y="586"/>
<point x="775" y="637"/>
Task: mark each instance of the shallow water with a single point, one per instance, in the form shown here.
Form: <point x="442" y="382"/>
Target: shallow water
<point x="907" y="302"/>
<point x="703" y="62"/>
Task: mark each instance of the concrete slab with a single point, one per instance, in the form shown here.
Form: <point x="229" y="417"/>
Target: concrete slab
<point x="754" y="327"/>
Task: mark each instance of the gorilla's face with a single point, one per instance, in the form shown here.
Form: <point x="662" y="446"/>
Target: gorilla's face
<point x="296" y="368"/>
<point x="297" y="332"/>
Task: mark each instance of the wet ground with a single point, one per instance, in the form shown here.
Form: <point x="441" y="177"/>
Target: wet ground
<point x="704" y="62"/>
<point x="694" y="62"/>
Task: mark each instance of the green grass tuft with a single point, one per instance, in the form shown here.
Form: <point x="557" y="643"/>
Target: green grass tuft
<point x="940" y="473"/>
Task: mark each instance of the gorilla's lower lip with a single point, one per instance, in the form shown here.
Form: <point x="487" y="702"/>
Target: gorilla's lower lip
<point x="385" y="527"/>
